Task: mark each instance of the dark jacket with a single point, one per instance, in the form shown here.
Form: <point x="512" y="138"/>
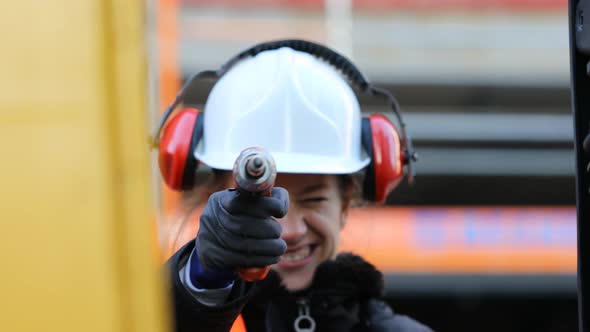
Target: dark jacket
<point x="344" y="296"/>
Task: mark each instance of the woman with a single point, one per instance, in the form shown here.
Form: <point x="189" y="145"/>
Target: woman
<point x="293" y="98"/>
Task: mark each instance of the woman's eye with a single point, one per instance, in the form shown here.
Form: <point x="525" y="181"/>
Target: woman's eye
<point x="315" y="199"/>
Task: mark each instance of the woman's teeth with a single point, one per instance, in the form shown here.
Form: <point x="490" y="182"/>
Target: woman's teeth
<point x="297" y="255"/>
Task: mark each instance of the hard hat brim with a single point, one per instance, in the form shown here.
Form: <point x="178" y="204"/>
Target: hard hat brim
<point x="291" y="162"/>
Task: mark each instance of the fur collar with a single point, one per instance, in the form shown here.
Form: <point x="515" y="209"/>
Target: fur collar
<point x="347" y="275"/>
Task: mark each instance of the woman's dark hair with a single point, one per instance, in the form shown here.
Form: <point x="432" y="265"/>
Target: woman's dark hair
<point x="182" y="225"/>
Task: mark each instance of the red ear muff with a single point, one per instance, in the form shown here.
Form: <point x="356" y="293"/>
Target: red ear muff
<point x="381" y="140"/>
<point x="179" y="139"/>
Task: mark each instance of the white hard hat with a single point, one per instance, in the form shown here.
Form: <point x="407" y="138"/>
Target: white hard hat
<point x="291" y="103"/>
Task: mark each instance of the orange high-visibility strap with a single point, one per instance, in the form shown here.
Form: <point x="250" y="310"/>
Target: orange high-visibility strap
<point x="239" y="325"/>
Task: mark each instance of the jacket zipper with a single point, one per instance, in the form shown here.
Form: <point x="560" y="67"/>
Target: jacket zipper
<point x="304" y="322"/>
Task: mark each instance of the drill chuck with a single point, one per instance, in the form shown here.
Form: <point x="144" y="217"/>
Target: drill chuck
<point x="255" y="168"/>
<point x="255" y="171"/>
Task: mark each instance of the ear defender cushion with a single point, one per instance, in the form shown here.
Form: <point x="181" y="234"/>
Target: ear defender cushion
<point x="367" y="142"/>
<point x="381" y="140"/>
<point x="179" y="139"/>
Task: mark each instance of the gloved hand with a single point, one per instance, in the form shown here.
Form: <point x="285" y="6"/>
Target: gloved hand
<point x="237" y="230"/>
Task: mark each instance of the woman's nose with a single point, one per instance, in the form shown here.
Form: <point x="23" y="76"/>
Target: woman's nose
<point x="294" y="227"/>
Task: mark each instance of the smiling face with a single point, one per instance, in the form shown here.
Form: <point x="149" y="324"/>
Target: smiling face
<point x="317" y="213"/>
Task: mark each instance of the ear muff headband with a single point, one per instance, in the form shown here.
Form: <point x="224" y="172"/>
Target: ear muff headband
<point x="348" y="69"/>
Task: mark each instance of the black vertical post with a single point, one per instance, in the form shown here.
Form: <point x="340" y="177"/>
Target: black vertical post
<point x="580" y="89"/>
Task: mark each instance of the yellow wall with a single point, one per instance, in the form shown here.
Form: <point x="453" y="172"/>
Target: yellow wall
<point x="77" y="241"/>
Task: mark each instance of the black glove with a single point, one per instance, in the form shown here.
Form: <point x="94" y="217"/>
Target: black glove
<point x="237" y="230"/>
